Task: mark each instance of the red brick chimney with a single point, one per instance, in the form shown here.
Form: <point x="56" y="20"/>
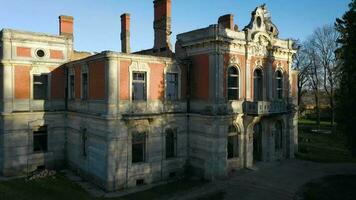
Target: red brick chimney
<point x="66" y="25"/>
<point x="125" y="33"/>
<point x="227" y="21"/>
<point x="162" y="25"/>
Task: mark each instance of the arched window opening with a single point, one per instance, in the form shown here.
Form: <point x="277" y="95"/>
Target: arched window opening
<point x="232" y="142"/>
<point x="233" y="83"/>
<point x="278" y="138"/>
<point x="257" y="83"/>
<point x="279" y="84"/>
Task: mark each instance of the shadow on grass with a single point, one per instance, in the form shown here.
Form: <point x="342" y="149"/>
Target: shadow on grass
<point x="336" y="187"/>
<point x="321" y="147"/>
<point x="61" y="188"/>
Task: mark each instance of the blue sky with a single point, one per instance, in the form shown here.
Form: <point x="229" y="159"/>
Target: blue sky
<point x="97" y="22"/>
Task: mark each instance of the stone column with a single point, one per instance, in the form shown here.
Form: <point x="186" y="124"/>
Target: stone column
<point x="111" y="82"/>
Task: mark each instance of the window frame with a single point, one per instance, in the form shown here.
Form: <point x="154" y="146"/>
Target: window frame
<point x="173" y="68"/>
<point x="144" y="82"/>
<point x="137" y="66"/>
<point x="176" y="89"/>
<point x="279" y="79"/>
<point x="260" y="89"/>
<point x="238" y="83"/>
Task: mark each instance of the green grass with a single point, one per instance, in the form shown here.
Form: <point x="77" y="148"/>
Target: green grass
<point x="60" y="188"/>
<point x="322" y="147"/>
<point x="337" y="187"/>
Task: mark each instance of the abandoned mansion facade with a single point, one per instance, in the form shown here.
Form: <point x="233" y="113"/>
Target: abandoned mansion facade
<point x="223" y="100"/>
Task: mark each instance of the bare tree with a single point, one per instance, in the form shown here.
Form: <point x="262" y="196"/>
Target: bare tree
<point x="302" y="64"/>
<point x="323" y="43"/>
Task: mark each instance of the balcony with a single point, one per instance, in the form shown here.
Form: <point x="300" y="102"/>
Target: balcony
<point x="264" y="107"/>
<point x="151" y="107"/>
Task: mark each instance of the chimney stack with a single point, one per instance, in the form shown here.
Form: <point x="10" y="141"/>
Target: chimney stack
<point x="66" y="26"/>
<point x="227" y="21"/>
<point x="162" y="25"/>
<point x="125" y="33"/>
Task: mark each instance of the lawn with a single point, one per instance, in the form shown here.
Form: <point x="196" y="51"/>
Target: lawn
<point x="59" y="188"/>
<point x="337" y="187"/>
<point x="322" y="147"/>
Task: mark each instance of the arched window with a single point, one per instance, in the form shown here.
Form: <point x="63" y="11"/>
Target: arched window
<point x="278" y="136"/>
<point x="233" y="83"/>
<point x="232" y="142"/>
<point x="279" y="84"/>
<point x="257" y="84"/>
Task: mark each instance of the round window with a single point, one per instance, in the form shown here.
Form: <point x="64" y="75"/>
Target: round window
<point x="40" y="53"/>
<point x="259" y="22"/>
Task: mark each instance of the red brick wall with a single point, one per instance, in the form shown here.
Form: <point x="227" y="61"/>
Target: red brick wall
<point x="200" y="77"/>
<point x="124" y="80"/>
<point x="97" y="80"/>
<point x="22" y="82"/>
<point x="157" y="86"/>
<point x="162" y="9"/>
<point x="57" y="83"/>
<point x="23" y="52"/>
<point x="56" y="54"/>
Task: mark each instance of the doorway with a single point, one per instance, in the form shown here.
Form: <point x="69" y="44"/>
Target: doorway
<point x="257" y="142"/>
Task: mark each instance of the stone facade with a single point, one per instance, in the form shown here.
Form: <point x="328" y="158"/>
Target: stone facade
<point x="225" y="100"/>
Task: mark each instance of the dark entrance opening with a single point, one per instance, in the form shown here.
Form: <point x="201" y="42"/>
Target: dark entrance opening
<point x="257" y="142"/>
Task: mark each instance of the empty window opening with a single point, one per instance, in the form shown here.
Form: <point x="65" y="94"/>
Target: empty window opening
<point x="140" y="182"/>
<point x="172" y="174"/>
<point x="84" y="142"/>
<point x="40" y="53"/>
<point x="84" y="86"/>
<point x="257" y="83"/>
<point x="40" y="139"/>
<point x="171" y="143"/>
<point x="232" y="143"/>
<point x="138" y="147"/>
<point x="40" y="86"/>
<point x="278" y="142"/>
<point x="71" y="87"/>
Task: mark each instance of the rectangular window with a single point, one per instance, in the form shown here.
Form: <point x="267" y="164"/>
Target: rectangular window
<point x="71" y="87"/>
<point x="172" y="86"/>
<point x="171" y="143"/>
<point x="232" y="147"/>
<point x="84" y="142"/>
<point x="40" y="85"/>
<point x="84" y="86"/>
<point x="138" y="147"/>
<point x="40" y="139"/>
<point x="139" y="86"/>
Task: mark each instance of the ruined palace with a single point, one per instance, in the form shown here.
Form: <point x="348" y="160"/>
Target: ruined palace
<point x="219" y="100"/>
